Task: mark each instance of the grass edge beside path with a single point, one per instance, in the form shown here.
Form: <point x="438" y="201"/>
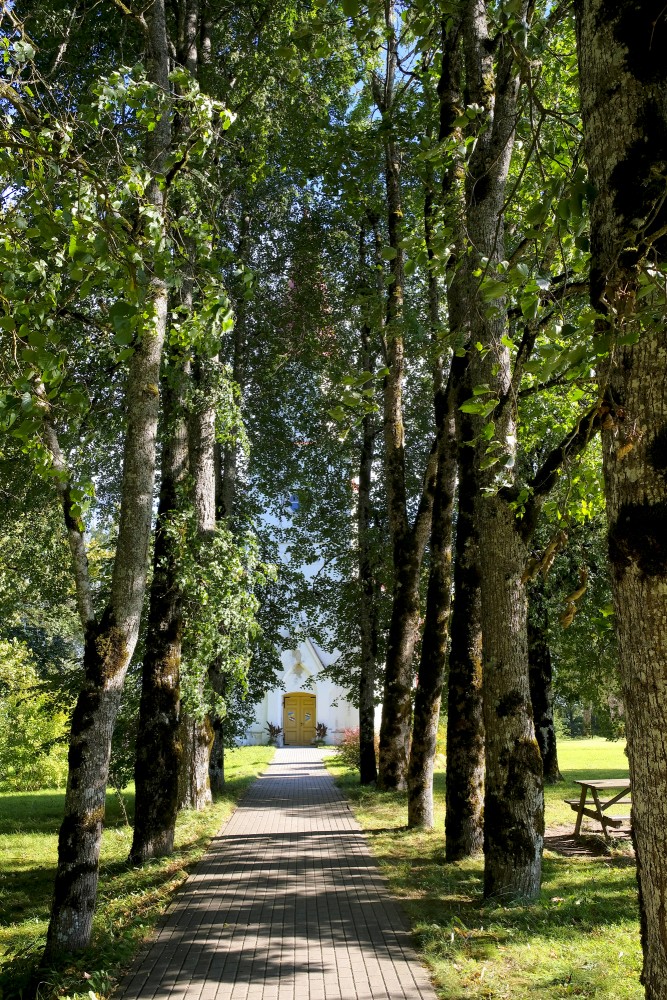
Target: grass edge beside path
<point x="579" y="939"/>
<point x="130" y="901"/>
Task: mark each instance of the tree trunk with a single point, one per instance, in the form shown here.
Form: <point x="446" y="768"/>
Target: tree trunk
<point x="623" y="79"/>
<point x="513" y="809"/>
<point x="436" y="626"/>
<point x="368" y="611"/>
<point x="216" y="768"/>
<point x="408" y="542"/>
<point x="464" y="817"/>
<point x="109" y="645"/>
<point x="194" y="786"/>
<point x="228" y="455"/>
<point x="197" y="731"/>
<point x="397" y="698"/>
<point x="439" y="592"/>
<point x="158" y="747"/>
<point x="541" y="681"/>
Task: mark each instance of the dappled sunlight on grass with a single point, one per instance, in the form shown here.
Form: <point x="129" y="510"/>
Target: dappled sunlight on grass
<point x="579" y="939"/>
<point x="130" y="899"/>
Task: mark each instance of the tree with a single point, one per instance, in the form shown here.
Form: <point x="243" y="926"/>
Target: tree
<point x="408" y="539"/>
<point x="110" y="641"/>
<point x="623" y="78"/>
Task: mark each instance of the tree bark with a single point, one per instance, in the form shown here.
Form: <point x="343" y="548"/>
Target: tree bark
<point x="436" y="626"/>
<point x="227" y="456"/>
<point x="541" y="681"/>
<point x="408" y="541"/>
<point x="158" y="747"/>
<point x="514" y="803"/>
<point x="439" y="592"/>
<point x="623" y="79"/>
<point x="197" y="733"/>
<point x="216" y="767"/>
<point x="368" y="613"/>
<point x="110" y="643"/>
<point x="464" y="816"/>
<point x="368" y="590"/>
<point x="194" y="785"/>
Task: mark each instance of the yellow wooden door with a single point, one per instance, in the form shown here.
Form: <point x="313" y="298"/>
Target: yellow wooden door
<point x="299" y="719"/>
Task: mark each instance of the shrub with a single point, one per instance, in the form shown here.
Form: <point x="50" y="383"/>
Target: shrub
<point x="33" y="731"/>
<point x="347" y="751"/>
<point x="274" y="732"/>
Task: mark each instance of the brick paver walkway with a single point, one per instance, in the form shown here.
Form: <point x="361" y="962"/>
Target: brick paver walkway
<point x="287" y="905"/>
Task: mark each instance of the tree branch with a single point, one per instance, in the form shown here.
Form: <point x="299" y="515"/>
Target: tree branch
<point x="574" y="442"/>
<point x="132" y="14"/>
<point x="73" y="523"/>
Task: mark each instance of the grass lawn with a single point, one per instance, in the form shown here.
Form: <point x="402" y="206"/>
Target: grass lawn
<point x="130" y="899"/>
<point x="579" y="939"/>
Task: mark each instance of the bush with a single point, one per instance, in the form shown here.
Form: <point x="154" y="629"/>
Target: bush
<point x="347" y="751"/>
<point x="33" y="731"/>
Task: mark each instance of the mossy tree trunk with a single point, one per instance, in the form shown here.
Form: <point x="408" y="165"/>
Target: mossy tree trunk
<point x="110" y="641"/>
<point x="513" y="808"/>
<point x="158" y="747"/>
<point x="623" y="80"/>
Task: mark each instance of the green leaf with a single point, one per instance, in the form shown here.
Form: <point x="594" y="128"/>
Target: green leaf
<point x="492" y="289"/>
<point x="388" y="253"/>
<point x="472" y="406"/>
<point x="530" y="305"/>
<point x="36" y="339"/>
<point x="351" y="8"/>
<point x="121" y="314"/>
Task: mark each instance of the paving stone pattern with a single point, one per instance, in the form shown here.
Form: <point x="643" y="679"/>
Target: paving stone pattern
<point x="288" y="904"/>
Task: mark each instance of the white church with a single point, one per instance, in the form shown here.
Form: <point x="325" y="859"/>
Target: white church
<point x="303" y="697"/>
<point x="304" y="700"/>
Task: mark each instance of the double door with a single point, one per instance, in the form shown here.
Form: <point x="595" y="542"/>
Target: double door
<point x="299" y="719"/>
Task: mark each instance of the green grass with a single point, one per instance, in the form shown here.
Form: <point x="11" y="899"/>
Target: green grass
<point x="579" y="939"/>
<point x="130" y="899"/>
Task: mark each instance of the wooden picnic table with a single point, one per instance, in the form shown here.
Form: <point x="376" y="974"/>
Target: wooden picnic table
<point x="595" y="807"/>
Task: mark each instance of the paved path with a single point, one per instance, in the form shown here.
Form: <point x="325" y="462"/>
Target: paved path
<point x="287" y="905"/>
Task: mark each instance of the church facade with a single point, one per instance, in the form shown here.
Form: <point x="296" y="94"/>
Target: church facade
<point x="304" y="700"/>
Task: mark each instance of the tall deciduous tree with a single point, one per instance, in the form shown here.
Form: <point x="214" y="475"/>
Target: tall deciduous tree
<point x="409" y="539"/>
<point x="513" y="787"/>
<point x="110" y="640"/>
<point x="623" y="79"/>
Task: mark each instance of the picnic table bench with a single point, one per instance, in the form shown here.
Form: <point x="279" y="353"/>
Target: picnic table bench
<point x="595" y="807"/>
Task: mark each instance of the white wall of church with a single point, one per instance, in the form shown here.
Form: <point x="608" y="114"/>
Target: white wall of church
<point x="300" y="672"/>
